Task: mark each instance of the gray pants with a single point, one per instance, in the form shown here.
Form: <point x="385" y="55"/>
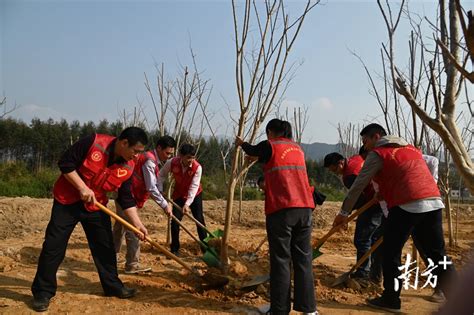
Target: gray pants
<point x="132" y="241"/>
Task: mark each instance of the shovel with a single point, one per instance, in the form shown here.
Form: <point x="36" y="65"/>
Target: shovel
<point x="316" y="253"/>
<point x="253" y="255"/>
<point x="210" y="256"/>
<point x="321" y="241"/>
<point x="344" y="277"/>
<point x="254" y="282"/>
<point x="216" y="234"/>
<point x="210" y="279"/>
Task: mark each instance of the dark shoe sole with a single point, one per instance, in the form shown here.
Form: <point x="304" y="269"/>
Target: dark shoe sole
<point x="127" y="296"/>
<point x="123" y="296"/>
<point x="40" y="309"/>
<point x="388" y="309"/>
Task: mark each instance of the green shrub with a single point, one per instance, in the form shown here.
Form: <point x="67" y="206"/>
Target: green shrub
<point x="332" y="193"/>
<point x="16" y="181"/>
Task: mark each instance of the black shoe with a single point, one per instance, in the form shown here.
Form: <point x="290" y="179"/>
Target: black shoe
<point x="41" y="304"/>
<point x="382" y="304"/>
<point x="360" y="275"/>
<point x="124" y="293"/>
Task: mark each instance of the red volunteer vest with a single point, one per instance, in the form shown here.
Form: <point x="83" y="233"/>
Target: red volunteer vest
<point x="139" y="191"/>
<point x="353" y="166"/>
<point x="405" y="177"/>
<point x="95" y="174"/>
<point x="286" y="180"/>
<point x="183" y="179"/>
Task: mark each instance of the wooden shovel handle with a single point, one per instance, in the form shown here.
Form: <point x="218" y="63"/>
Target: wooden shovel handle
<point x="190" y="216"/>
<point x="366" y="255"/>
<point x="188" y="231"/>
<point x="148" y="239"/>
<point x="261" y="244"/>
<point x="349" y="219"/>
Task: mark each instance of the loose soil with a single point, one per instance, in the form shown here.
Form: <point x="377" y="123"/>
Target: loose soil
<point x="169" y="288"/>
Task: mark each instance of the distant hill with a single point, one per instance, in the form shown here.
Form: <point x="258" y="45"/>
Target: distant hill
<point x="313" y="151"/>
<point x="317" y="150"/>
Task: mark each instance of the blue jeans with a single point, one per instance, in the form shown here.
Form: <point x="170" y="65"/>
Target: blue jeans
<point x="365" y="236"/>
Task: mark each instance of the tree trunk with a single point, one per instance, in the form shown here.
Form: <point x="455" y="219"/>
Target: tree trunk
<point x="241" y="190"/>
<point x="447" y="199"/>
<point x="228" y="221"/>
<point x="450" y="219"/>
<point x="230" y="199"/>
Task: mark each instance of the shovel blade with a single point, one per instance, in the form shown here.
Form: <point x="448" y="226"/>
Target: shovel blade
<point x="316" y="252"/>
<point x="341" y="279"/>
<point x="255" y="281"/>
<point x="216" y="234"/>
<point x="211" y="258"/>
<point x="213" y="280"/>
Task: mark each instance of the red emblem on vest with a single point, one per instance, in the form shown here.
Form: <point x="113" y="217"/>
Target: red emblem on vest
<point x="121" y="172"/>
<point x="96" y="156"/>
<point x="96" y="174"/>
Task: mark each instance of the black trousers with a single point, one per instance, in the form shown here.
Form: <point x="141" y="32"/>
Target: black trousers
<point x="98" y="230"/>
<point x="196" y="209"/>
<point x="289" y="239"/>
<point x="428" y="230"/>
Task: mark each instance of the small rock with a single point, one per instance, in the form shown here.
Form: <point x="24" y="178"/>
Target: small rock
<point x="261" y="290"/>
<point x="61" y="273"/>
<point x="239" y="268"/>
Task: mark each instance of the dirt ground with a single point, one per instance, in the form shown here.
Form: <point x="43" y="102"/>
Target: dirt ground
<point x="169" y="288"/>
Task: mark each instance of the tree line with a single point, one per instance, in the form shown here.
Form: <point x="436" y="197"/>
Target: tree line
<point x="29" y="154"/>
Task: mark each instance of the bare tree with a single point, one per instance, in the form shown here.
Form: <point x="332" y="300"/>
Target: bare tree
<point x="182" y="100"/>
<point x="349" y="139"/>
<point x="468" y="32"/>
<point x="134" y="117"/>
<point x="431" y="84"/>
<point x="260" y="76"/>
<point x="298" y="119"/>
<point x="445" y="83"/>
<point x="180" y="103"/>
<point x="6" y="110"/>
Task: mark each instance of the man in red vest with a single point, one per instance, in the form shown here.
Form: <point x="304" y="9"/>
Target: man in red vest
<point x="145" y="184"/>
<point x="187" y="191"/>
<point x="414" y="204"/>
<point x="368" y="222"/>
<point x="90" y="168"/>
<point x="288" y="209"/>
